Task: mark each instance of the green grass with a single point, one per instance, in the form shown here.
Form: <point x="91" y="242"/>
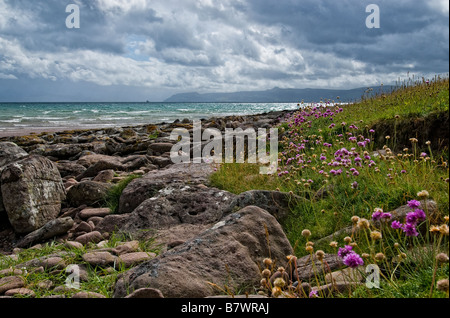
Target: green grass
<point x="113" y="197"/>
<point x="308" y="158"/>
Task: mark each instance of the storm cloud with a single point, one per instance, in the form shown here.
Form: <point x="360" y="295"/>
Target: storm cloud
<point x="153" y="48"/>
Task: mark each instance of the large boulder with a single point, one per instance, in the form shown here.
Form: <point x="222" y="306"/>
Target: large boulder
<point x="89" y="193"/>
<point x="32" y="191"/>
<point x="175" y="205"/>
<point x="148" y="186"/>
<point x="9" y="153"/>
<point x="228" y="254"/>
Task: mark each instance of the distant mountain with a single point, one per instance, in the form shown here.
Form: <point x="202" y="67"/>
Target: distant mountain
<point x="278" y="95"/>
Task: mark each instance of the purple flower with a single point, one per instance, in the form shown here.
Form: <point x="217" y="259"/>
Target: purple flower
<point x="353" y="260"/>
<point x="412" y="218"/>
<point x="410" y="229"/>
<point x="355" y="185"/>
<point x="396" y="225"/>
<point x="386" y="215"/>
<point x="423" y="154"/>
<point x="344" y="251"/>
<point x="377" y="215"/>
<point x="413" y="204"/>
<point x="313" y="294"/>
<point x="420" y="214"/>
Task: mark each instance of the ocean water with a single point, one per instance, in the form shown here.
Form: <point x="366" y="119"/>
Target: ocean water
<point x="17" y="116"/>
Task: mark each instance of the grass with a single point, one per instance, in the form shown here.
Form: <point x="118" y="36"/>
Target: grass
<point x="327" y="155"/>
<point x="113" y="196"/>
<point x="99" y="280"/>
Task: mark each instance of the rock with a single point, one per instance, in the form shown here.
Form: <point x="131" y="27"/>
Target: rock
<point x="69" y="168"/>
<point x="127" y="247"/>
<point x="178" y="205"/>
<point x="11" y="282"/>
<point x="336" y="288"/>
<point x="70" y="183"/>
<point x="148" y="186"/>
<point x="88" y="295"/>
<point x="82" y="227"/>
<point x="88" y="213"/>
<point x="131" y="259"/>
<point x="101" y="259"/>
<point x="105" y="176"/>
<point x="10" y="152"/>
<point x="91" y="237"/>
<point x="346" y="275"/>
<point x="306" y="271"/>
<point x="276" y="203"/>
<point x="51" y="229"/>
<point x="111" y="223"/>
<point x="32" y="191"/>
<point x="25" y="292"/>
<point x="229" y="253"/>
<point x="54" y="262"/>
<point x="158" y="149"/>
<point x="87" y="192"/>
<point x="73" y="244"/>
<point x="146" y="293"/>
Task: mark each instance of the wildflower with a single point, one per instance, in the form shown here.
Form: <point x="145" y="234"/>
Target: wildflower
<point x="355" y="219"/>
<point x="347" y="239"/>
<point x="413" y="204"/>
<point x="380" y="256"/>
<point x="306" y="233"/>
<point x="377" y="214"/>
<point x="344" y="251"/>
<point x="410" y="229"/>
<point x="434" y="229"/>
<point x="446" y="218"/>
<point x="442" y="285"/>
<point x="442" y="258"/>
<point x="353" y="260"/>
<point x="276" y="291"/>
<point x="423" y="194"/>
<point x="444" y="229"/>
<point x="309" y="249"/>
<point x="363" y="223"/>
<point x="267" y="262"/>
<point x="396" y="225"/>
<point x="313" y="294"/>
<point x="413" y="140"/>
<point x="354" y="185"/>
<point x="334" y="244"/>
<point x="279" y="282"/>
<point x="266" y="273"/>
<point x="365" y="255"/>
<point x="375" y="235"/>
<point x="423" y="154"/>
<point x="320" y="254"/>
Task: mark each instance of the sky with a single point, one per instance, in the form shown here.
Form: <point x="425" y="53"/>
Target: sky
<point x="138" y="50"/>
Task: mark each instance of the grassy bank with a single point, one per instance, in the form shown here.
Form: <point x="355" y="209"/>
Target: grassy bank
<point x="349" y="161"/>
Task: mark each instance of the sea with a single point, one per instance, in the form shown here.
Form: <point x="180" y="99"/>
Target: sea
<point x="54" y="116"/>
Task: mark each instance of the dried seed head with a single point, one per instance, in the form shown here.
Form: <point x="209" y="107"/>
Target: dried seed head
<point x="266" y="273"/>
<point x="375" y="235"/>
<point x="309" y="249"/>
<point x="347" y="239"/>
<point x="276" y="292"/>
<point x="267" y="262"/>
<point x="423" y="194"/>
<point x="334" y="244"/>
<point x="279" y="282"/>
<point x="442" y="285"/>
<point x="306" y="233"/>
<point x="442" y="258"/>
<point x="320" y="255"/>
<point x="355" y="219"/>
<point x="363" y="223"/>
<point x="444" y="229"/>
<point x="379" y="256"/>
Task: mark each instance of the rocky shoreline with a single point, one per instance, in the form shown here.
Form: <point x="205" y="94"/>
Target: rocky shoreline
<point x="53" y="189"/>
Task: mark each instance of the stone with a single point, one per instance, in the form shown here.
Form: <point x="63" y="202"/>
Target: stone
<point x="105" y="176"/>
<point x="148" y="186"/>
<point x="101" y="259"/>
<point x="276" y="203"/>
<point x="346" y="275"/>
<point x="51" y="229"/>
<point x="111" y="223"/>
<point x="83" y="227"/>
<point x="10" y="152"/>
<point x="178" y="205"/>
<point x="306" y="270"/>
<point x="25" y="292"/>
<point x="32" y="191"/>
<point x="88" y="213"/>
<point x="69" y="168"/>
<point x="88" y="295"/>
<point x="229" y="253"/>
<point x="131" y="259"/>
<point x="158" y="149"/>
<point x="127" y="247"/>
<point x="87" y="192"/>
<point x="146" y="293"/>
<point x="73" y="244"/>
<point x="11" y="282"/>
<point x="91" y="237"/>
<point x="54" y="262"/>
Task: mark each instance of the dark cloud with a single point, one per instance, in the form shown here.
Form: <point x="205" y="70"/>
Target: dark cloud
<point x="224" y="45"/>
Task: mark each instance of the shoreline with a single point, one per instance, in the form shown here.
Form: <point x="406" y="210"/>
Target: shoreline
<point x="37" y="131"/>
